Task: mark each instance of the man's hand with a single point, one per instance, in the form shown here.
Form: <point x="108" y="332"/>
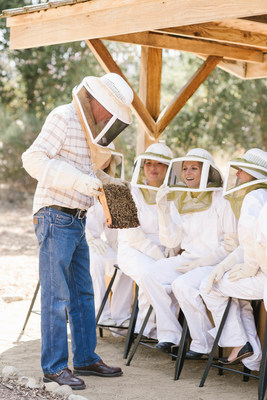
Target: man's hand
<point x="88" y="185"/>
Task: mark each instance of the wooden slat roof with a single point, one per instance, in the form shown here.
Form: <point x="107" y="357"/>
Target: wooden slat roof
<point x="234" y="30"/>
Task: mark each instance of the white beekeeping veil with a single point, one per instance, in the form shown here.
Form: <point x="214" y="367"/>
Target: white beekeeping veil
<point x="103" y="108"/>
<point x="157" y="152"/>
<point x="115" y="164"/>
<point x="254" y="162"/>
<point x="211" y="177"/>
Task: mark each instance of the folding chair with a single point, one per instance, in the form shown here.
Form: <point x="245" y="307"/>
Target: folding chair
<point x="130" y="330"/>
<point x="151" y="342"/>
<point x="183" y="345"/>
<point x="246" y="372"/>
<point x="31" y="307"/>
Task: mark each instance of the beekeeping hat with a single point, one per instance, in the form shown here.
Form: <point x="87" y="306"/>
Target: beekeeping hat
<point x="103" y="106"/>
<point x="211" y="177"/>
<point x="254" y="162"/>
<point x="156" y="151"/>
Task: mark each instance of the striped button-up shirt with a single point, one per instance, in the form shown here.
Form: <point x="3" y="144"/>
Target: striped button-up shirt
<point x="62" y="138"/>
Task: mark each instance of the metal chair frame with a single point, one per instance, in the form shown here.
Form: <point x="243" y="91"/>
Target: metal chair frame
<point x="262" y="377"/>
<point x="130" y="330"/>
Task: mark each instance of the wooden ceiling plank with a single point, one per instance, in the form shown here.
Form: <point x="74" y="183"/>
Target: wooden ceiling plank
<point x="186" y="92"/>
<point x="172" y="12"/>
<point x="191" y="45"/>
<point x="233" y="31"/>
<point x="256" y="73"/>
<point x="236" y="68"/>
<point x="95" y="19"/>
<point x="109" y="65"/>
<point x="241" y="69"/>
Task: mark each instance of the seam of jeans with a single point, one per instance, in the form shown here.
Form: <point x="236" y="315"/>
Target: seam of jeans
<point x="80" y="314"/>
<point x="51" y="286"/>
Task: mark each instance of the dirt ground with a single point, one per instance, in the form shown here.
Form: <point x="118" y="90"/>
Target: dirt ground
<point x="150" y="375"/>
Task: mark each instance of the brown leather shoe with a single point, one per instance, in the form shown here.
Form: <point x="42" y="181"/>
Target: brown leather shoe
<point x="65" y="377"/>
<point x="98" y="369"/>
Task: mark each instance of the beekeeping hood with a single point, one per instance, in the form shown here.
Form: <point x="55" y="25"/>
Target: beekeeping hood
<point x="254" y="162"/>
<point x="157" y="152"/>
<point x="211" y="177"/>
<point x="103" y="108"/>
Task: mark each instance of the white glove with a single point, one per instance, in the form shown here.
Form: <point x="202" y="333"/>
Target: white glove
<point x="261" y="256"/>
<point x="171" y="252"/>
<point x="97" y="246"/>
<point x="107" y="179"/>
<point x="224" y="266"/>
<point x="88" y="185"/>
<point x="206" y="261"/>
<point x="216" y="275"/>
<point x="185" y="267"/>
<point x="161" y="199"/>
<point x="59" y="174"/>
<point x="241" y="271"/>
<point x="230" y="242"/>
<point x="137" y="239"/>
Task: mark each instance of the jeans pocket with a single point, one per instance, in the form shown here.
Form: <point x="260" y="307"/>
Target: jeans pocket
<point x="38" y="223"/>
<point x="63" y="220"/>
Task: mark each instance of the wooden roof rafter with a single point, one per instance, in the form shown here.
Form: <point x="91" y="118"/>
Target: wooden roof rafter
<point x="227" y="34"/>
<point x="154" y="128"/>
<point x="191" y="45"/>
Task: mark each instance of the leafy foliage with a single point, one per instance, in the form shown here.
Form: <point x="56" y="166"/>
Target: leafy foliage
<point x="225" y="114"/>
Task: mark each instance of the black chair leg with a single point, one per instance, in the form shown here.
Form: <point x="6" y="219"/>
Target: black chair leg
<point x="220" y="351"/>
<point x="31" y="305"/>
<point x="130" y="332"/>
<point x="212" y="353"/>
<point x="246" y="371"/>
<point x="263" y="368"/>
<point x="139" y="335"/>
<point x="182" y="350"/>
<point x="106" y="294"/>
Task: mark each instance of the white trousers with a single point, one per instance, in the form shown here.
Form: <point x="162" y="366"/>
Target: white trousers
<point x="119" y="308"/>
<point x="240" y="325"/>
<point x="186" y="290"/>
<point x="155" y="283"/>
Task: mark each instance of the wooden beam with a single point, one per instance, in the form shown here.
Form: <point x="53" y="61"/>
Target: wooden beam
<point x="108" y="64"/>
<point x="238" y="31"/>
<point x="187" y="91"/>
<point x="149" y="91"/>
<point x="150" y="79"/>
<point x="241" y="69"/>
<point x="191" y="45"/>
<point x="99" y="18"/>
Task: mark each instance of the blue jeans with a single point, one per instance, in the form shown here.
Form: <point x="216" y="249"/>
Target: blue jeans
<point x="65" y="284"/>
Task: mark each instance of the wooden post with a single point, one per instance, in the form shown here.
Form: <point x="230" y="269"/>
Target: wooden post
<point x="149" y="91"/>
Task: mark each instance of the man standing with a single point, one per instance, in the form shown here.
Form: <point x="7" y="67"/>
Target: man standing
<point x="60" y="159"/>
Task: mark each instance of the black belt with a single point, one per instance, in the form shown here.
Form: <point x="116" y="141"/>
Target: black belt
<point x="76" y="212"/>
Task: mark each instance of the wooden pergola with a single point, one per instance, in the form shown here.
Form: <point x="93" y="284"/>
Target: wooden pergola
<point x="229" y="34"/>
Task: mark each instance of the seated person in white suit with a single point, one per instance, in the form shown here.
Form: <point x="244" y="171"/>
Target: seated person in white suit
<point x="204" y="217"/>
<point x="140" y="247"/>
<point x="242" y="275"/>
<point x="103" y="246"/>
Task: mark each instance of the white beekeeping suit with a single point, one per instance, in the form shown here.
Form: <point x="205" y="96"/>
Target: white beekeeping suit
<point x="204" y="218"/>
<point x="247" y="277"/>
<point x="139" y="248"/>
<point x="103" y="255"/>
